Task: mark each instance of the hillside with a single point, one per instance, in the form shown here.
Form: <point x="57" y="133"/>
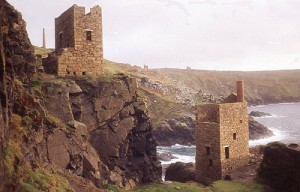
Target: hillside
<point x="193" y="86"/>
<point x="171" y="95"/>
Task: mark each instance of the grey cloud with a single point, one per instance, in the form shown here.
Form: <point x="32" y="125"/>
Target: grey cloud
<point x="175" y="3"/>
<point x="211" y="2"/>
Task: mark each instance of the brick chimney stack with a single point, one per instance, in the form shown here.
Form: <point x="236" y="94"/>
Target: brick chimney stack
<point x="240" y="91"/>
<point x="44" y="38"/>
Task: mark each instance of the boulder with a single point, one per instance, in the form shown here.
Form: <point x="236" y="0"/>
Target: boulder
<point x="181" y="172"/>
<point x="180" y="130"/>
<point x="257" y="130"/>
<point x="165" y="156"/>
<point x="259" y="114"/>
<point x="280" y="167"/>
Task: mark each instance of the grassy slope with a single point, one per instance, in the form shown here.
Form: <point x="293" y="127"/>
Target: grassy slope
<point x="41" y="51"/>
<point x="263" y="84"/>
<point x="269" y="85"/>
<point x="219" y="186"/>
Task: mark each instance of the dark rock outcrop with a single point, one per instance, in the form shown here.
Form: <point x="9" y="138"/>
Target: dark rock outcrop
<point x="280" y="168"/>
<point x="16" y="61"/>
<point x="117" y="124"/>
<point x="257" y="130"/>
<point x="259" y="114"/>
<point x="181" y="131"/>
<point x="19" y="53"/>
<point x="165" y="156"/>
<point x="176" y="131"/>
<point x="181" y="172"/>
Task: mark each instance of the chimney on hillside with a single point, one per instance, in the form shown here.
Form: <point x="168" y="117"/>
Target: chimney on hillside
<point x="44" y="38"/>
<point x="240" y="91"/>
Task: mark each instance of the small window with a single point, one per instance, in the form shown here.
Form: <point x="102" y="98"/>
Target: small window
<point x="234" y="136"/>
<point x="74" y="73"/>
<point x="68" y="72"/>
<point x="241" y="121"/>
<point x="83" y="73"/>
<point x="227" y="152"/>
<point x="89" y="35"/>
<point x="210" y="163"/>
<point x="61" y="39"/>
<point x="207" y="150"/>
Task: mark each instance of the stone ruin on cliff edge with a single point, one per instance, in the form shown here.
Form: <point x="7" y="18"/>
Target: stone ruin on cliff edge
<point x="221" y="137"/>
<point x="78" y="43"/>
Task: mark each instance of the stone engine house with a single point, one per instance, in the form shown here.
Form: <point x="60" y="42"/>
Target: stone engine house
<point x="78" y="43"/>
<point x="221" y="137"/>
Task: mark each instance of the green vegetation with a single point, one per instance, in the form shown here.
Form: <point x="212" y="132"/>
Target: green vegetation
<point x="27" y="123"/>
<point x="19" y="173"/>
<point x="54" y="121"/>
<point x="161" y="109"/>
<point x="219" y="186"/>
<point x="234" y="186"/>
<point x="41" y="180"/>
<point x="35" y="84"/>
<point x="41" y="51"/>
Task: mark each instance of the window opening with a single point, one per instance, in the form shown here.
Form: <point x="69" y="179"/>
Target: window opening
<point x="227" y="152"/>
<point x="61" y="39"/>
<point x="89" y="35"/>
<point x="207" y="150"/>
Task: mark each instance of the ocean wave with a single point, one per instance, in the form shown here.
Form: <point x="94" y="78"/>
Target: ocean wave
<point x="176" y="146"/>
<point x="180" y="158"/>
<point x="260" y="106"/>
<point x="270" y="116"/>
<point x="288" y="103"/>
<point x="278" y="136"/>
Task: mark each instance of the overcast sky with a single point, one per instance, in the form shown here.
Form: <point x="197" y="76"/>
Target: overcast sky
<point x="202" y="34"/>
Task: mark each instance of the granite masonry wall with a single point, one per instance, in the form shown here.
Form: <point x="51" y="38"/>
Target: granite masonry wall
<point x="221" y="139"/>
<point x="78" y="41"/>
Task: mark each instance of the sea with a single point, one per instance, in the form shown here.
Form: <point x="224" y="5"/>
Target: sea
<point x="284" y="122"/>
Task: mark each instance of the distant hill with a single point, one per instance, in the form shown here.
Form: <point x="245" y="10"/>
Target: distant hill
<point x="181" y="85"/>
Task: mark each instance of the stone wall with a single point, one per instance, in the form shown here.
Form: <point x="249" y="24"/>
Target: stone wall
<point x="79" y="47"/>
<point x="64" y="29"/>
<point x="234" y="120"/>
<point x="208" y="113"/>
<point x="220" y="126"/>
<point x="207" y="136"/>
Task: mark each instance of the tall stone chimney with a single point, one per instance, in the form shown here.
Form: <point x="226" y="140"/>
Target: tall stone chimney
<point x="44" y="39"/>
<point x="240" y="91"/>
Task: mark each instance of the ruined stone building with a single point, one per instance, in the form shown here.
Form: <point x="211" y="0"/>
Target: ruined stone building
<point x="78" y="43"/>
<point x="221" y="137"/>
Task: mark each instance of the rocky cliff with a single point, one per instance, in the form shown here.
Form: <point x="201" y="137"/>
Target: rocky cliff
<point x="280" y="167"/>
<point x="16" y="61"/>
<point x="80" y="130"/>
<point x="114" y="124"/>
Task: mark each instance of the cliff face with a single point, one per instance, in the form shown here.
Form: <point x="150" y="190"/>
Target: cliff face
<point x="16" y="61"/>
<point x="116" y="125"/>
